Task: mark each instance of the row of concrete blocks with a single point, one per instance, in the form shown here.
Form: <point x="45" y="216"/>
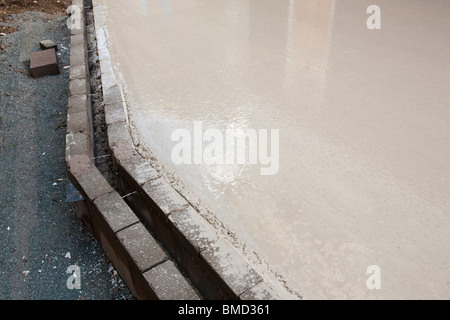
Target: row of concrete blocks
<point x="125" y="229"/>
<point x="142" y="263"/>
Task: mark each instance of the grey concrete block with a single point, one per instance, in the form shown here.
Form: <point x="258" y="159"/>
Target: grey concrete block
<point x="194" y="228"/>
<point x="77" y="72"/>
<point x="262" y="291"/>
<point x="77" y="55"/>
<point x="78" y="86"/>
<point x="138" y="169"/>
<point x="77" y="144"/>
<point x="77" y="165"/>
<point x="114" y="112"/>
<point x="78" y="122"/>
<point x="118" y="132"/>
<point x="141" y="246"/>
<point x="231" y="267"/>
<point x="164" y="196"/>
<point x="169" y="284"/>
<point x="76" y="39"/>
<point x="78" y="27"/>
<point x="78" y="103"/>
<point x="115" y="211"/>
<point x="48" y="44"/>
<point x="93" y="184"/>
<point x="112" y="95"/>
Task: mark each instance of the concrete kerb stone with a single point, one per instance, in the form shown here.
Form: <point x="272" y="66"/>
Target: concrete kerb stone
<point x="78" y="122"/>
<point x="78" y="103"/>
<point x="111" y="94"/>
<point x="142" y="247"/>
<point x="77" y="54"/>
<point x="137" y="169"/>
<point x="77" y="72"/>
<point x="77" y="143"/>
<point x="234" y="271"/>
<point x="164" y="277"/>
<point x="194" y="228"/>
<point x="115" y="211"/>
<point x="118" y="133"/>
<point x="77" y="39"/>
<point x="166" y="198"/>
<point x="77" y="87"/>
<point x="114" y="112"/>
<point x="261" y="291"/>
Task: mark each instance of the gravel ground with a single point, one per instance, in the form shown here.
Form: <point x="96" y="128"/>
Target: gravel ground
<point x="38" y="228"/>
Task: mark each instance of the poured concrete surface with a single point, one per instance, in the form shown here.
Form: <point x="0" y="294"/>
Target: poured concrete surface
<point x="364" y="174"/>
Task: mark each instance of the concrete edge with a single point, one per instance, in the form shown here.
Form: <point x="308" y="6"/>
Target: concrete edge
<point x="212" y="264"/>
<point x="128" y="244"/>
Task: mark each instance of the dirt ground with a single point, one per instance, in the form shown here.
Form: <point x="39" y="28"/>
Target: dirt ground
<point x="8" y="7"/>
<point x="47" y="6"/>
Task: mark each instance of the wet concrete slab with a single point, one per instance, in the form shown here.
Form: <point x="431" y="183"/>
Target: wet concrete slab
<point x="363" y="118"/>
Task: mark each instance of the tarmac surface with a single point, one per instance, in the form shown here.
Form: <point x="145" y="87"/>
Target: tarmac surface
<point x="40" y="235"/>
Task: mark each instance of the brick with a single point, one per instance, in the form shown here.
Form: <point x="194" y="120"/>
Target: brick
<point x="121" y="149"/>
<point x="48" y="44"/>
<point x="77" y="144"/>
<point x="44" y="63"/>
<point x="115" y="211"/>
<point x="139" y="170"/>
<point x="194" y="228"/>
<point x="93" y="184"/>
<point x="78" y="164"/>
<point x="230" y="267"/>
<point x="166" y="198"/>
<point x="77" y="55"/>
<point x="111" y="94"/>
<point x="78" y="27"/>
<point x="77" y="103"/>
<point x="78" y="122"/>
<point x="141" y="246"/>
<point x="118" y="133"/>
<point x="262" y="291"/>
<point x="77" y="87"/>
<point x="114" y="112"/>
<point x="77" y="72"/>
<point x="76" y="39"/>
<point x="169" y="284"/>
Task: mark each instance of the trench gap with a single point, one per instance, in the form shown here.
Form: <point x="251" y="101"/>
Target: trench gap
<point x="102" y="154"/>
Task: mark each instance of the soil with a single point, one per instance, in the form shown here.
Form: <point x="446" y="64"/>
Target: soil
<point x="9" y="7"/>
<point x="18" y="6"/>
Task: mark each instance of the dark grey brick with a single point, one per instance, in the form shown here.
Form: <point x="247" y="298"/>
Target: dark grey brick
<point x="115" y="211"/>
<point x="169" y="284"/>
<point x="141" y="246"/>
<point x="194" y="228"/>
<point x="231" y="267"/>
<point x="164" y="195"/>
